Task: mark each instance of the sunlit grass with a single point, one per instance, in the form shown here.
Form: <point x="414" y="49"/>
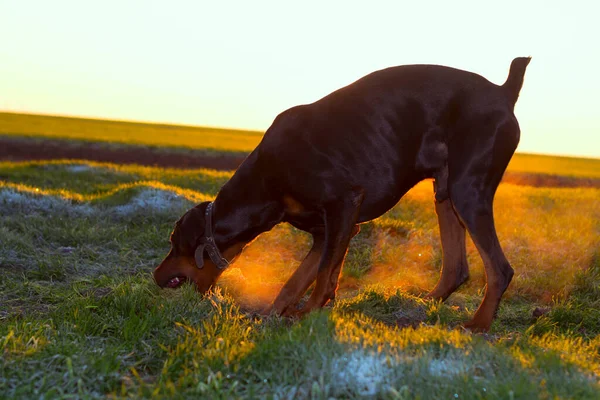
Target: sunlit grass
<point x="119" y="191"/>
<point x="81" y="316"/>
<point x="136" y="341"/>
<point x="566" y="166"/>
<point x="25" y="339"/>
<point x="115" y="132"/>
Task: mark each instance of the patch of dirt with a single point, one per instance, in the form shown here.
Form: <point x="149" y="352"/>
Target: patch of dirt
<point x="24" y="149"/>
<point x="17" y="149"/>
<point x="409" y="318"/>
<point x="540" y="311"/>
<point x="545" y="180"/>
<point x="22" y="308"/>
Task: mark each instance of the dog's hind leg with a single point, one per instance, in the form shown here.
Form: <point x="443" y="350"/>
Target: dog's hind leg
<point x="340" y="222"/>
<point x="479" y="219"/>
<point x="433" y="156"/>
<point x="455" y="269"/>
<point x="472" y="186"/>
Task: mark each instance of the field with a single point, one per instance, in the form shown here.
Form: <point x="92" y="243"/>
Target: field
<point x="128" y="133"/>
<point x="81" y="317"/>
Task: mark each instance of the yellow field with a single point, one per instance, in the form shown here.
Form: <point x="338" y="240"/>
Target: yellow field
<point x="138" y="133"/>
<point x="567" y="166"/>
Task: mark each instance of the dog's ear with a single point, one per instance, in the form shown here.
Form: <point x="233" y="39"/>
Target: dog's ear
<point x="192" y="225"/>
<point x="199" y="255"/>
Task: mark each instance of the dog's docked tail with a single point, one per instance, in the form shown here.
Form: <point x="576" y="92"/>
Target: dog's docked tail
<point x="514" y="82"/>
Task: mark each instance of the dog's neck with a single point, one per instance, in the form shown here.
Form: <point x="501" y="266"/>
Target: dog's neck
<point x="238" y="219"/>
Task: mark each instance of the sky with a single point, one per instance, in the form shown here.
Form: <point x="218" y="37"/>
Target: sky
<point x="238" y="64"/>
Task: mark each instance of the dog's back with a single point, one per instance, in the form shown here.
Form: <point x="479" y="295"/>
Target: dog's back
<point x="394" y="126"/>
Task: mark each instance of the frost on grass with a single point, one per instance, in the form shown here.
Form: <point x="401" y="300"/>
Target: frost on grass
<point x="79" y="168"/>
<point x="147" y="200"/>
<point x="360" y="373"/>
<point x="12" y="201"/>
<point x="447" y="367"/>
<point x="154" y="200"/>
<point x="369" y="374"/>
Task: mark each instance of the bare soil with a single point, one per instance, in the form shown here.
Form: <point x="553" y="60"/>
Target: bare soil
<point x="17" y="149"/>
<point x="20" y="149"/>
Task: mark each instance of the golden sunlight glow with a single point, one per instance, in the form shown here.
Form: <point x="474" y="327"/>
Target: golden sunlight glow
<point x="540" y="224"/>
<point x="264" y="266"/>
<point x="549" y="234"/>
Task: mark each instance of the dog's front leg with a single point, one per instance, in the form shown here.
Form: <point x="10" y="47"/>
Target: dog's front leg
<point x="340" y="223"/>
<point x="301" y="279"/>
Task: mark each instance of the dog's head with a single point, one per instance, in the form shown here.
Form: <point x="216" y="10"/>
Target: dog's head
<point x="183" y="263"/>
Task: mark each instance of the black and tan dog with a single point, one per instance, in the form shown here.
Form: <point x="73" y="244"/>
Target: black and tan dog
<point x="328" y="166"/>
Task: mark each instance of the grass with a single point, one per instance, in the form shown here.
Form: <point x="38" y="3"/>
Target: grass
<point x="81" y="317"/>
<point x="185" y="138"/>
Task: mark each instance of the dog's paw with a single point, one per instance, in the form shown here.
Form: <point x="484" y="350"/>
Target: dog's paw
<point x="266" y="311"/>
<point x="475" y="326"/>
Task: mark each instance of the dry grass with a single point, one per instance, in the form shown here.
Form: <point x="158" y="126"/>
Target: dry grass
<point x="93" y="130"/>
<point x="563" y="166"/>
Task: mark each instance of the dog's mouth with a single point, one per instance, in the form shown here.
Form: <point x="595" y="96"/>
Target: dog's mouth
<point x="172" y="273"/>
<point x="175" y="282"/>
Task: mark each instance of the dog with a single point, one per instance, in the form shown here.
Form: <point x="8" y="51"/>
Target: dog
<point x="349" y="157"/>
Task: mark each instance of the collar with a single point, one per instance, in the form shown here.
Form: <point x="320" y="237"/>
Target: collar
<point x="208" y="242"/>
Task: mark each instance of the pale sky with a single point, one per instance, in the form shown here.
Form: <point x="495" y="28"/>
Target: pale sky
<point x="239" y="63"/>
